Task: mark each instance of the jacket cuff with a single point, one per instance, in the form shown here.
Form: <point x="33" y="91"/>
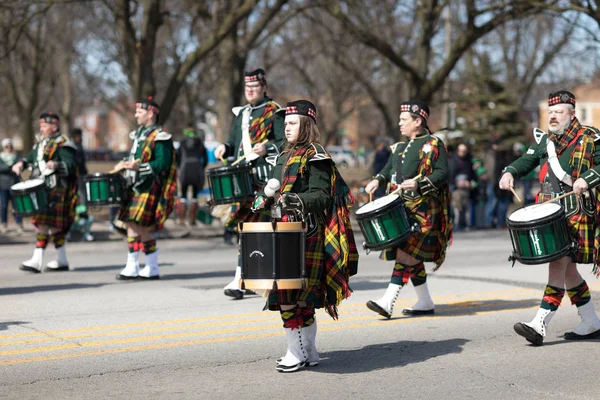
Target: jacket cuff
<point x="382" y="179"/>
<point x="426" y="186"/>
<point x="591" y="177"/>
<point x="510" y="169"/>
<point x="145" y="170"/>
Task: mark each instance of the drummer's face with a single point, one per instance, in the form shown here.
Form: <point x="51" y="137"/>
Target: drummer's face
<point x="47" y="129"/>
<point x="408" y="125"/>
<point x="559" y="117"/>
<point x="254" y="92"/>
<point x="292" y="127"/>
<point x="143" y="116"/>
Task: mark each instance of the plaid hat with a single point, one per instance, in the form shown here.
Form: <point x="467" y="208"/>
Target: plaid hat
<point x="561" y="97"/>
<point x="302" y="107"/>
<point x="416" y="107"/>
<point x="49" y="117"/>
<point x="148" y="104"/>
<point x="257" y="75"/>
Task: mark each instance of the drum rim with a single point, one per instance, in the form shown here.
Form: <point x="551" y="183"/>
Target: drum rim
<point x="541" y="222"/>
<point x="98" y="176"/>
<point x="41" y="182"/>
<point x="390" y="243"/>
<point x="557" y="212"/>
<point x="228" y="168"/>
<point x="262" y="227"/>
<point x="267" y="284"/>
<point x="377" y="209"/>
<point x="383" y="210"/>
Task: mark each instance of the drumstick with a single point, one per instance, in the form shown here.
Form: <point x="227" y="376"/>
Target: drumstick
<point x="515" y="194"/>
<point x="222" y="160"/>
<point x="559" y="197"/>
<point x="239" y="160"/>
<point x="370" y="197"/>
<point x="399" y="189"/>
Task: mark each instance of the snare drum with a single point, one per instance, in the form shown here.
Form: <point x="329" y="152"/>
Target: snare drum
<point x="104" y="189"/>
<point x="272" y="255"/>
<point x="384" y="223"/>
<point x="230" y="184"/>
<point x="539" y="233"/>
<point x="29" y="197"/>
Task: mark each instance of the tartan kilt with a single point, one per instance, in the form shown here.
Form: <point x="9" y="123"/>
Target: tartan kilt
<point x="61" y="210"/>
<point x="429" y="244"/>
<point x="581" y="227"/>
<point x="141" y="207"/>
<point x="315" y="291"/>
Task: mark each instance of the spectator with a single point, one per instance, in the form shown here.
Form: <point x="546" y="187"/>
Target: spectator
<point x="462" y="181"/>
<point x="382" y="154"/>
<point x="191" y="162"/>
<point x="7" y="178"/>
<point x="83" y="221"/>
<point x="496" y="158"/>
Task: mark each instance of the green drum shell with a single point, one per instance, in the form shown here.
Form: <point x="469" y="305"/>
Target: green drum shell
<point x="385" y="227"/>
<point x="540" y="241"/>
<point x="230" y="184"/>
<point x="29" y="202"/>
<point x="104" y="189"/>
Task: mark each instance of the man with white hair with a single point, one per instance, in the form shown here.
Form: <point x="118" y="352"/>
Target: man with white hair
<point x="569" y="157"/>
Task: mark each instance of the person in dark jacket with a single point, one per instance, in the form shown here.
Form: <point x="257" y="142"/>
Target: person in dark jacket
<point x="191" y="162"/>
<point x="7" y="178"/>
<point x="381" y="157"/>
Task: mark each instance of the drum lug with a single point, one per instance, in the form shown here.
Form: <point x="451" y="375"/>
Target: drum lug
<point x="365" y="248"/>
<point x="242" y="285"/>
<point x="513" y="259"/>
<point x="274" y="284"/>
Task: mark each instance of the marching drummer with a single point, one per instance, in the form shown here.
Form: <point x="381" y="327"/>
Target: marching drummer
<point x="52" y="159"/>
<point x="312" y="190"/>
<point x="256" y="122"/>
<point x="567" y="156"/>
<point x="418" y="168"/>
<point x="150" y="172"/>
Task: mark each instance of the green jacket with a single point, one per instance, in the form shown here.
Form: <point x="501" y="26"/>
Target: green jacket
<point x="276" y="134"/>
<point x="537" y="155"/>
<point x="160" y="161"/>
<point x="408" y="156"/>
<point x="58" y="148"/>
<point x="313" y="186"/>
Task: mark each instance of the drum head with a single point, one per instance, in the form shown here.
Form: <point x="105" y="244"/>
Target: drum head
<point x="377" y="204"/>
<point x="31" y="183"/>
<point x="534" y="212"/>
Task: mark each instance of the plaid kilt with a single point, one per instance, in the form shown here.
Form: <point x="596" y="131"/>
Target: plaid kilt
<point x="581" y="227"/>
<point x="429" y="244"/>
<point x="141" y="207"/>
<point x="61" y="209"/>
<point x="314" y="294"/>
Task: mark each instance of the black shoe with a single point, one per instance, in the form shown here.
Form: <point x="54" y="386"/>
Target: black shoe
<point x="149" y="278"/>
<point x="529" y="333"/>
<point x="414" y="313"/>
<point x="377" y="308"/>
<point x="248" y="291"/>
<point x="59" y="268"/>
<point x="575" y="336"/>
<point x="29" y="269"/>
<point x="125" y="277"/>
<point x="235" y="293"/>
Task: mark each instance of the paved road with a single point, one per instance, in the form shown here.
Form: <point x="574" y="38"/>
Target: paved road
<point x="82" y="334"/>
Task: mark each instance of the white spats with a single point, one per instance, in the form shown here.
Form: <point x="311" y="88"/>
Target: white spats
<point x="385" y="305"/>
<point x="296" y="355"/>
<point x="132" y="268"/>
<point x="34" y="264"/>
<point x="150" y="271"/>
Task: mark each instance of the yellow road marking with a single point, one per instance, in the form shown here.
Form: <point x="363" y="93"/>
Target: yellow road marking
<point x="211" y="332"/>
<point x="218" y="340"/>
<point x="240" y="316"/>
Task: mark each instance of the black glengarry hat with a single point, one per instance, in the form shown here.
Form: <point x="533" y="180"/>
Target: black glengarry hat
<point x="256" y="75"/>
<point x="416" y="107"/>
<point x="49" y="117"/>
<point x="148" y="104"/>
<point x="302" y="107"/>
<point x="561" y="97"/>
